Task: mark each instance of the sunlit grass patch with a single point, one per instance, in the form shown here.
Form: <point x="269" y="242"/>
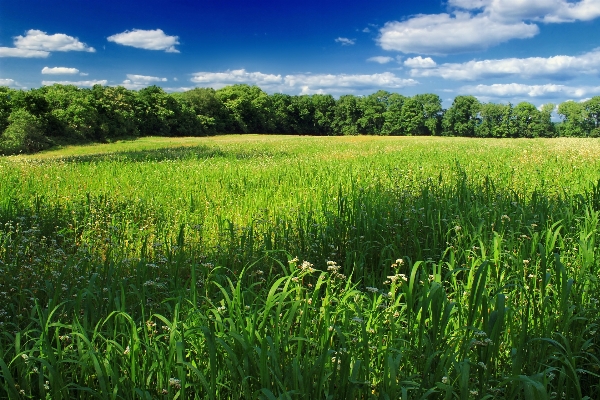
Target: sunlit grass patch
<point x="299" y="267"/>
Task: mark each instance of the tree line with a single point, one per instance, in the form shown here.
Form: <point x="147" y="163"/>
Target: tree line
<point x="35" y="119"/>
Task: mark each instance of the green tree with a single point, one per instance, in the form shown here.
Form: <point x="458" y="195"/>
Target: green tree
<point x="373" y="108"/>
<point x="6" y="106"/>
<point x="491" y="115"/>
<point x="36" y="104"/>
<point x="280" y="113"/>
<point x="73" y="111"/>
<point x="24" y="134"/>
<point x="116" y="107"/>
<point x="301" y="115"/>
<point x="592" y="109"/>
<point x="209" y="108"/>
<point x="574" y="119"/>
<point x="432" y="113"/>
<point x="154" y="110"/>
<point x="547" y="128"/>
<point x="346" y="116"/>
<point x="185" y="122"/>
<point x="412" y="117"/>
<point x="462" y="117"/>
<point x="248" y="107"/>
<point x="392" y="124"/>
<point x="324" y="113"/>
<point x="527" y="118"/>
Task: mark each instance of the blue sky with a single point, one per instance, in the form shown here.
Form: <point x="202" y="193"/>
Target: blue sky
<point x="498" y="50"/>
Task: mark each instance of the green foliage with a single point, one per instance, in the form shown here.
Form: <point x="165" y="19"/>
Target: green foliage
<point x="6" y="105"/>
<point x="574" y="120"/>
<point x="373" y="108"/>
<point x="302" y="111"/>
<point x="412" y="117"/>
<point x="346" y="116"/>
<point x="392" y="115"/>
<point x="212" y="113"/>
<point x="492" y="116"/>
<point x="73" y="112"/>
<point x="462" y="118"/>
<point x="247" y="106"/>
<point x="324" y="106"/>
<point x="68" y="114"/>
<point x="24" y="134"/>
<point x="432" y="113"/>
<point x="116" y="108"/>
<point x="154" y="112"/>
<point x="592" y="109"/>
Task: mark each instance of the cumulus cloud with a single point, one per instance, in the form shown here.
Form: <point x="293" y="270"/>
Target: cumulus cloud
<point x="450" y="34"/>
<point x="22" y="53"/>
<point x="136" y="82"/>
<point x="59" y="71"/>
<point x="420" y="62"/>
<point x="220" y="79"/>
<point x="330" y="81"/>
<point x="474" y="25"/>
<point x="559" y="67"/>
<point x="146" y="39"/>
<point x="549" y="11"/>
<point x="584" y="10"/>
<point x="345" y="41"/>
<point x="380" y="59"/>
<point x="533" y="91"/>
<point x="8" y="82"/>
<point x="304" y="83"/>
<point x="40" y="41"/>
<point x="76" y="83"/>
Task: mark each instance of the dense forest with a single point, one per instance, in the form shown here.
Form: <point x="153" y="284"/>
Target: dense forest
<point x="36" y="119"/>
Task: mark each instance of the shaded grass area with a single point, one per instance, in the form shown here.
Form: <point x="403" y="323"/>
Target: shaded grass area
<point x="363" y="271"/>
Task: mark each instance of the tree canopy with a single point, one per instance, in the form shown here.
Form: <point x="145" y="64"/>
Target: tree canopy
<point x="31" y="120"/>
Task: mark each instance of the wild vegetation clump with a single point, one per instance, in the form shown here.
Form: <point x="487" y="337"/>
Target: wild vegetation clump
<point x="293" y="267"/>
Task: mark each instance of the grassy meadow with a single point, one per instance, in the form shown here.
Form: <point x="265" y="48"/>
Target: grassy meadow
<point x="286" y="267"/>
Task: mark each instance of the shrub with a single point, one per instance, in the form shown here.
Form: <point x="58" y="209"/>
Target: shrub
<point x="24" y="134"/>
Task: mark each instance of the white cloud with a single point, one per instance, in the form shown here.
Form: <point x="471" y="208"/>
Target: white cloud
<point x="40" y="41"/>
<point x="8" y="82"/>
<point x="330" y="81"/>
<point x="584" y="10"/>
<point x="420" y="62"/>
<point x="448" y="34"/>
<point x="559" y="67"/>
<point x="177" y="89"/>
<point x="303" y="83"/>
<point x="136" y="82"/>
<point x="518" y="89"/>
<point x="83" y="74"/>
<point x="59" y="71"/>
<point x="473" y="25"/>
<point x="145" y="78"/>
<point x="76" y="83"/>
<point x="345" y="41"/>
<point x="220" y="79"/>
<point x="146" y="39"/>
<point x="366" y="30"/>
<point x="549" y="11"/>
<point x="22" y="53"/>
<point x="380" y="59"/>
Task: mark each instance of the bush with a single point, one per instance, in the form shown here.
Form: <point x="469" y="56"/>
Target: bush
<point x="24" y="134"/>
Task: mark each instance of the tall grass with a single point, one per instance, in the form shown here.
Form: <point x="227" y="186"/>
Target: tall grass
<point x="302" y="268"/>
